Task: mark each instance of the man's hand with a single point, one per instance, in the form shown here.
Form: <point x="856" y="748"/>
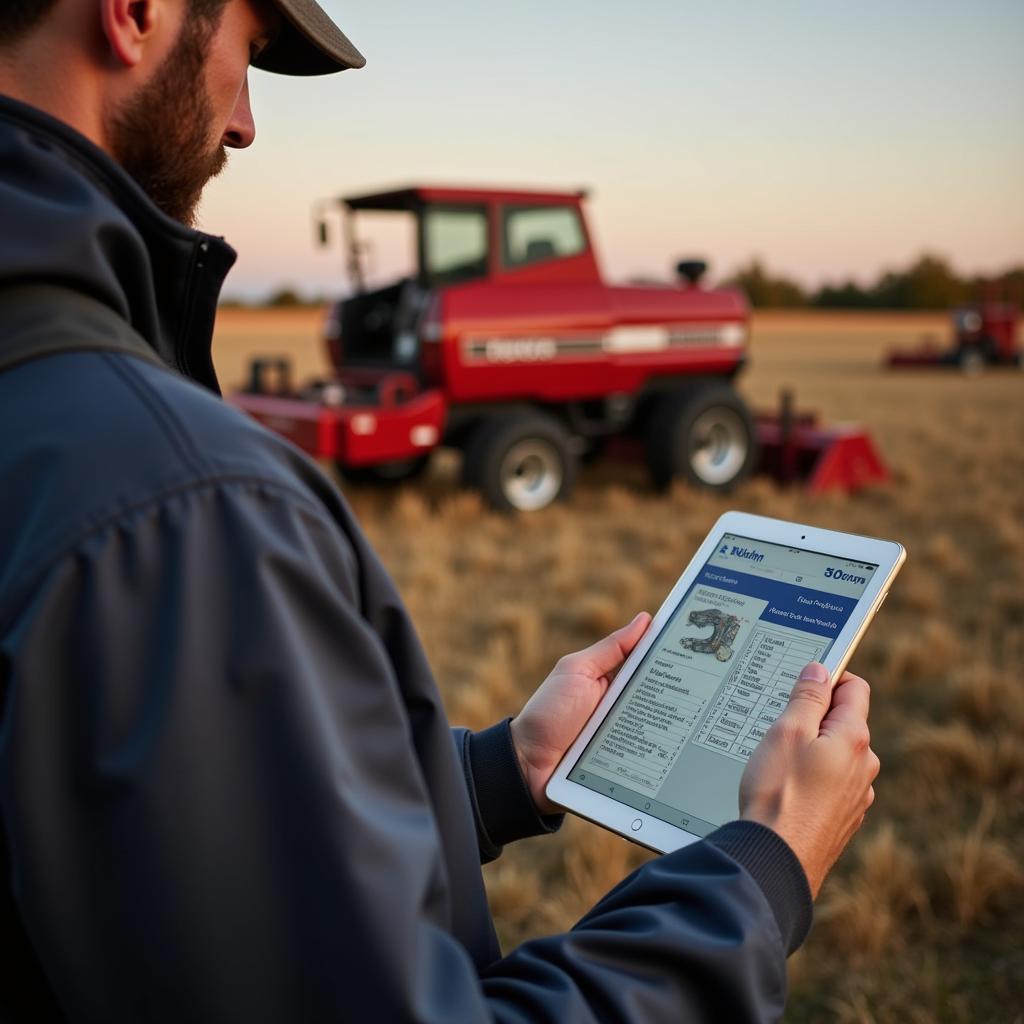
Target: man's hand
<point x="553" y="717"/>
<point x="810" y="778"/>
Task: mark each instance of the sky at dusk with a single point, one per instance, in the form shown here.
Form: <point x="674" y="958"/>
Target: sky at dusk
<point x="831" y="139"/>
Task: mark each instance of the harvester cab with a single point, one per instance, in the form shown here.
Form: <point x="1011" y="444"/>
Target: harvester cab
<point x="460" y="237"/>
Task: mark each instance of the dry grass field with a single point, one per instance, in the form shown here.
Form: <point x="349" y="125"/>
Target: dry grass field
<point x="923" y="920"/>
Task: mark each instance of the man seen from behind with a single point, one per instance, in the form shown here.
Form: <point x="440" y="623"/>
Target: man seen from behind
<point x="228" y="791"/>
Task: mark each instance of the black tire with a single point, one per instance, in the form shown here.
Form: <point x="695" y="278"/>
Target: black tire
<point x="386" y="474"/>
<point x="703" y="434"/>
<point x="520" y="462"/>
<point x="594" y="451"/>
<point x="971" y="360"/>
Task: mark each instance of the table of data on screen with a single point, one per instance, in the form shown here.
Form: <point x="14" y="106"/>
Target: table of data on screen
<point x="757" y="690"/>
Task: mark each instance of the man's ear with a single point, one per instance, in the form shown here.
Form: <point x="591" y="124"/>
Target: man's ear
<point x="128" y="26"/>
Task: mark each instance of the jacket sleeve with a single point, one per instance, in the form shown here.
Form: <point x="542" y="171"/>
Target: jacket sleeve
<point x="503" y="809"/>
<point x="214" y="812"/>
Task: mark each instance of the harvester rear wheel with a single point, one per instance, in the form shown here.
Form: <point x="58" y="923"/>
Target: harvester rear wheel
<point x="703" y="434"/>
<point x="520" y="463"/>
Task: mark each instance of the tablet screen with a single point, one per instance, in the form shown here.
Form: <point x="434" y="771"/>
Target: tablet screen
<point x="720" y="672"/>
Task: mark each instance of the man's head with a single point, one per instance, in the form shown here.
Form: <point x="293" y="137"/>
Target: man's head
<point x="162" y="84"/>
<point x="19" y="16"/>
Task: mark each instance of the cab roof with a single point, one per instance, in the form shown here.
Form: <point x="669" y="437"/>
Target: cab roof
<point x="411" y="197"/>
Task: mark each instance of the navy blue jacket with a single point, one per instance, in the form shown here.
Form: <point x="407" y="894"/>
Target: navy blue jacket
<point x="228" y="788"/>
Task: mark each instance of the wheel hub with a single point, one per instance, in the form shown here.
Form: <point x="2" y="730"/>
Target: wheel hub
<point x="531" y="475"/>
<point x="718" y="446"/>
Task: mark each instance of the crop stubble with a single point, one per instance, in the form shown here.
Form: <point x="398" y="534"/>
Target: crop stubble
<point x="923" y="920"/>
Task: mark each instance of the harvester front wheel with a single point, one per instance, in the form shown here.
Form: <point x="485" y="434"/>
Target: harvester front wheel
<point x="971" y="361"/>
<point x="703" y="434"/>
<point x="520" y="463"/>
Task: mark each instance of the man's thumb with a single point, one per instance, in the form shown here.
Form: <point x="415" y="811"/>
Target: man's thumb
<point x="612" y="651"/>
<point x="810" y="699"/>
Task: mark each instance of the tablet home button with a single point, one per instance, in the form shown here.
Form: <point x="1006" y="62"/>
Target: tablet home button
<point x="637" y="824"/>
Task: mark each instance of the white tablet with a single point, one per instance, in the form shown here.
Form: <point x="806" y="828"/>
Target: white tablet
<point x="661" y="758"/>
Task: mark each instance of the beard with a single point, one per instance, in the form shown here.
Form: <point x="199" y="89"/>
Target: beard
<point x="162" y="135"/>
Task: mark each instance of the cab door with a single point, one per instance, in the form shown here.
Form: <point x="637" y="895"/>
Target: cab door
<point x="536" y="328"/>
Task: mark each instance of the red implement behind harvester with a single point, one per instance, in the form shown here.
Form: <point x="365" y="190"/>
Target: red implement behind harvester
<point x="984" y="335"/>
<point x="795" y="446"/>
<point x="506" y="343"/>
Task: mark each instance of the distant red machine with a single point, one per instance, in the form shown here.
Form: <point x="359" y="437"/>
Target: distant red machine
<point x="985" y="334"/>
<point x="507" y="344"/>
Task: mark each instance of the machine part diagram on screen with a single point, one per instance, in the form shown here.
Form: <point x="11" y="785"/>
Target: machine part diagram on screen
<point x="724" y="628"/>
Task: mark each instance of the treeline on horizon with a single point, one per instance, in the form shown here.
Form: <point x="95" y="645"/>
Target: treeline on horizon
<point x="929" y="283"/>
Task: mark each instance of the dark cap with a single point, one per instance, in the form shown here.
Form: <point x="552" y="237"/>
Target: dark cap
<point x="309" y="43"/>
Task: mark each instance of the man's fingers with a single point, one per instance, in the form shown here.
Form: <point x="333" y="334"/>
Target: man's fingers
<point x="809" y="701"/>
<point x="601" y="658"/>
<point x="851" y="701"/>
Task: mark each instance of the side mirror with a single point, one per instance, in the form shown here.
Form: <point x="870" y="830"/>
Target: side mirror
<point x="691" y="270"/>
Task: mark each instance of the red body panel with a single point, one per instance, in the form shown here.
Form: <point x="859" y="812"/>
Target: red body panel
<point x="999" y="322"/>
<point x="353" y="435"/>
<point x="560" y="342"/>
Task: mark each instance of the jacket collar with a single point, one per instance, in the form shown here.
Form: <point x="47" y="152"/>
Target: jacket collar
<point x="72" y="216"/>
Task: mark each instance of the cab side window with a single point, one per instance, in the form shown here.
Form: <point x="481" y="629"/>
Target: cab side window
<point x="454" y="243"/>
<point x="533" y="234"/>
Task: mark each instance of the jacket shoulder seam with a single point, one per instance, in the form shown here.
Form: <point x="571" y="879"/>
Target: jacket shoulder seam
<point x="161" y="410"/>
<point x="67" y="545"/>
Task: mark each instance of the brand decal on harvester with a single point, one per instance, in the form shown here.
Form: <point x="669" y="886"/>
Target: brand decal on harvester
<point x="628" y="339"/>
<point x="520" y="350"/>
<point x="749" y="553"/>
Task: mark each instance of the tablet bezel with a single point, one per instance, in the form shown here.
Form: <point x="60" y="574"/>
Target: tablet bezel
<point x="644" y="828"/>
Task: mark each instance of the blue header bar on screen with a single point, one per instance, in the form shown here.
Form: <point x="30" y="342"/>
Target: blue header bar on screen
<point x="813" y="611"/>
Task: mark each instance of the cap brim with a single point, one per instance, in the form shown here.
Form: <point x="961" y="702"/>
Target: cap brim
<point x="309" y="43"/>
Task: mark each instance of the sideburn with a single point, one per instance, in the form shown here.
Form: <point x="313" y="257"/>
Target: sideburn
<point x="162" y="136"/>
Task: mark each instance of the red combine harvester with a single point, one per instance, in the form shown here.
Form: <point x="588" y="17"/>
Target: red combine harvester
<point x="507" y="344"/>
<point x="984" y="335"/>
